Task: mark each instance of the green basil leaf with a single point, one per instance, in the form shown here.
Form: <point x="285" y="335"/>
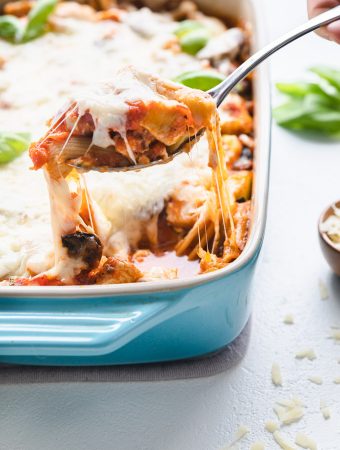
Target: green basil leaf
<point x="328" y="74"/>
<point x="302" y="89"/>
<point x="187" y="26"/>
<point x="200" y="79"/>
<point x="312" y="106"/>
<point x="298" y="89"/>
<point x="307" y="116"/>
<point x="327" y="121"/>
<point x="194" y="41"/>
<point x="10" y="28"/>
<point x="311" y="122"/>
<point x="12" y="145"/>
<point x="192" y="35"/>
<point x="37" y="19"/>
<point x="288" y="112"/>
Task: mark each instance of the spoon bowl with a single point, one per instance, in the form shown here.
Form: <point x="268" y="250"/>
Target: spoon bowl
<point x="74" y="155"/>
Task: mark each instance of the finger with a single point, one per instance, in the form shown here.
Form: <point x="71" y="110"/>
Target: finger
<point x="316" y="7"/>
<point x="333" y="30"/>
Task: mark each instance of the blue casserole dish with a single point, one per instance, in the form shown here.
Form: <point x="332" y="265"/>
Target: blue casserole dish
<point x="151" y="321"/>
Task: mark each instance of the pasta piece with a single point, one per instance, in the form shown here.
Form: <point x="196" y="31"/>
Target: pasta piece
<point x="235" y="118"/>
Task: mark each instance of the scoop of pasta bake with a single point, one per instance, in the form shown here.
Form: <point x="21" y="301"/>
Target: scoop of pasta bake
<point x="132" y="121"/>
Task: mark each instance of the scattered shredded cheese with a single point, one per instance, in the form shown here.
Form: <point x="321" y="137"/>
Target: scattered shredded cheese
<point x="257" y="446"/>
<point x="323" y="290"/>
<point x="281" y="440"/>
<point x="337" y="380"/>
<point x="288" y="319"/>
<point x="279" y="411"/>
<point x="335" y="334"/>
<point x="305" y="442"/>
<point x="241" y="432"/>
<point x="289" y="411"/>
<point x="315" y="380"/>
<point x="306" y="353"/>
<point x="276" y="375"/>
<point x="325" y="410"/>
<point x="271" y="426"/>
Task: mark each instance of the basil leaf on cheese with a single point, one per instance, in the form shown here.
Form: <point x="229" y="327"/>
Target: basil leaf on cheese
<point x="192" y="36"/>
<point x="12" y="145"/>
<point x="186" y="26"/>
<point x="10" y="28"/>
<point x="37" y="19"/>
<point x="200" y="79"/>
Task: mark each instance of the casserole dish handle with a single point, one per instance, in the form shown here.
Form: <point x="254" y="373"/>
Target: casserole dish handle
<point x="78" y="327"/>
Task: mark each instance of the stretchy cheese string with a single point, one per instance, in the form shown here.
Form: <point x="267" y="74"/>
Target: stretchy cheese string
<point x="56" y="124"/>
<point x="220" y="173"/>
<point x="69" y="137"/>
<point x="216" y="210"/>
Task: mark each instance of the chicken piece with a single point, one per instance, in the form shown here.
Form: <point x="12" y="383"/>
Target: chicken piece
<point x="239" y="184"/>
<point x="232" y="147"/>
<point x="115" y="271"/>
<point x="19" y="8"/>
<point x="235" y="118"/>
<point x="184" y="206"/>
<point x="228" y="43"/>
<point x="75" y="11"/>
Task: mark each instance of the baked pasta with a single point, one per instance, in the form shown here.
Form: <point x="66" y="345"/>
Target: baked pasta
<point x="133" y="120"/>
<point x="187" y="217"/>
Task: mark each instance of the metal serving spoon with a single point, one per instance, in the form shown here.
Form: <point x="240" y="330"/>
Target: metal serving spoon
<point x="223" y="89"/>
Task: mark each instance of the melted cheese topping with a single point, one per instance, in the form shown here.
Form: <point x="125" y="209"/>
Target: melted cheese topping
<point x="77" y="52"/>
<point x="35" y="81"/>
<point x="108" y="104"/>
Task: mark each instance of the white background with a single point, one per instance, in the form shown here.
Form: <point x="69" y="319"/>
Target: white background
<point x="204" y="414"/>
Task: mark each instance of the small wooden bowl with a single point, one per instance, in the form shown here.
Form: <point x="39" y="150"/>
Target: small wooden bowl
<point x="329" y="250"/>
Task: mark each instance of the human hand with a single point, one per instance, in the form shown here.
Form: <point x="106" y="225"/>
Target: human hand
<point x="331" y="31"/>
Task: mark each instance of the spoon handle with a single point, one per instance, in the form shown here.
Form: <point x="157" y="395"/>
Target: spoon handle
<point x="222" y="90"/>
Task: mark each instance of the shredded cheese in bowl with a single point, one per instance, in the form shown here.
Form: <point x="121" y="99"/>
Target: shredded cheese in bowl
<point x="331" y="226"/>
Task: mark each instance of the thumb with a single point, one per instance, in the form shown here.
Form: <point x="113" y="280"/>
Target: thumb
<point x="316" y="7"/>
<point x="333" y="31"/>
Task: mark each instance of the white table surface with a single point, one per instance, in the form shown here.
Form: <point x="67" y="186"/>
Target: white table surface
<point x="204" y="414"/>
